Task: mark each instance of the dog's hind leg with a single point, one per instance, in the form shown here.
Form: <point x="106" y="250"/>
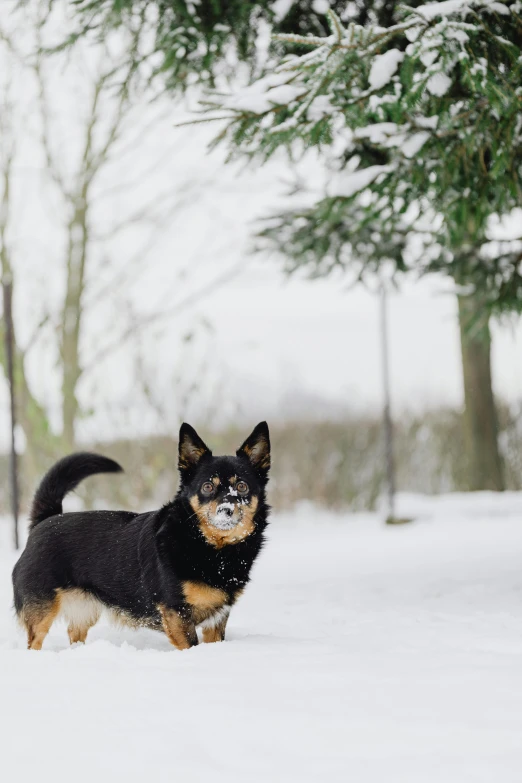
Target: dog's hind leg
<point x="78" y="633"/>
<point x="81" y="611"/>
<point x="38" y="618"/>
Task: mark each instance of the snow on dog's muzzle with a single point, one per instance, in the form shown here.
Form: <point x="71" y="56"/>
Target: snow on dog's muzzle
<point x="224" y="518"/>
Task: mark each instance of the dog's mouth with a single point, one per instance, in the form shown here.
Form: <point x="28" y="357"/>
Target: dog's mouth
<point x="227" y="516"/>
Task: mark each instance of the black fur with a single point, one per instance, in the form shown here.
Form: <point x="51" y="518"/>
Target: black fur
<point x="135" y="563"/>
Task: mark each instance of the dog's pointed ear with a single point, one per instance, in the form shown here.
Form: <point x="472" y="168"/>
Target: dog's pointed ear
<point x="257" y="448"/>
<point x="191" y="449"/>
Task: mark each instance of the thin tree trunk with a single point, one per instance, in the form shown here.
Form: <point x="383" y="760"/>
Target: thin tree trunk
<point x="71" y="319"/>
<point x="32" y="417"/>
<point x="481" y="425"/>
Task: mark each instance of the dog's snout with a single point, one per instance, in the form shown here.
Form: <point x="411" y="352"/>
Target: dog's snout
<point x="224" y="517"/>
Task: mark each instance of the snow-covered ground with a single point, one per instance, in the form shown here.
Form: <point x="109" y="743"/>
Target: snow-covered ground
<point x="359" y="653"/>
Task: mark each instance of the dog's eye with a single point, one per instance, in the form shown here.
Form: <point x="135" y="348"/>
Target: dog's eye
<point x="207" y="488"/>
<point x="242" y="487"/>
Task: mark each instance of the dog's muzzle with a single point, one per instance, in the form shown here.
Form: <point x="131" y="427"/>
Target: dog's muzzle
<point x="225" y="518"/>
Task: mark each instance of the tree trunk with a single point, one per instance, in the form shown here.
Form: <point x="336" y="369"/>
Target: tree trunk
<point x="484" y="462"/>
<point x="71" y="318"/>
<point x="42" y="444"/>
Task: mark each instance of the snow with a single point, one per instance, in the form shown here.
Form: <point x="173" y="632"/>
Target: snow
<point x="224" y="506"/>
<point x="221" y="518"/>
<point x="384" y="66"/>
<point x="438" y="84"/>
<point x="347" y="185"/>
<point x="378" y="132"/>
<point x="389" y="134"/>
<point x="445" y="8"/>
<point x="265" y="93"/>
<point x="448" y="7"/>
<point x="320" y="6"/>
<point x="359" y="652"/>
<point x="280" y="8"/>
<point x="427" y="122"/>
<point x="506" y="227"/>
<point x="320" y="107"/>
<point x="499" y="8"/>
<point x="429" y="57"/>
<point x="414" y="143"/>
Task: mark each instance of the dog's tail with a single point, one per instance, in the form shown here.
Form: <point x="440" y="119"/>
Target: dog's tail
<point x="63" y="478"/>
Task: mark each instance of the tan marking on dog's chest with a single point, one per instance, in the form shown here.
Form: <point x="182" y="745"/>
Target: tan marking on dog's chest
<point x="204" y="599"/>
<point x="204" y="596"/>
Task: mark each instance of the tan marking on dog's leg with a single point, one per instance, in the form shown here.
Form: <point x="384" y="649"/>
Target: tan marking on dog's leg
<point x="38" y="620"/>
<point x="78" y="634"/>
<point x="180" y="631"/>
<point x="212" y="635"/>
<point x="215" y="634"/>
<point x="214" y="627"/>
<point x="81" y="610"/>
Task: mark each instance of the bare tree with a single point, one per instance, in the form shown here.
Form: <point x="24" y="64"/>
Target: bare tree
<point x="82" y="173"/>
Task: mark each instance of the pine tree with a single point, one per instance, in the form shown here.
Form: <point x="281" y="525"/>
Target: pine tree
<point x="423" y="118"/>
<point x="421" y="122"/>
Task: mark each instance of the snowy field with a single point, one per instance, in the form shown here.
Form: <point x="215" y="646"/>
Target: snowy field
<point x="358" y="653"/>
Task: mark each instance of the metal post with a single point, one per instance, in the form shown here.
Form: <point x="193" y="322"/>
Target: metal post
<point x="9" y="351"/>
<point x="388" y="427"/>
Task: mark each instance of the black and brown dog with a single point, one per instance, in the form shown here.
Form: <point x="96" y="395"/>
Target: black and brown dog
<point x="174" y="569"/>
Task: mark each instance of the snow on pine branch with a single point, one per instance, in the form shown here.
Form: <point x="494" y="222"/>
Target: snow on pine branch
<point x="449" y="8"/>
<point x="390" y="135"/>
<point x="384" y="66"/>
<point x="426" y="111"/>
<point x="348" y="184"/>
<point x="354" y="56"/>
<point x="265" y="93"/>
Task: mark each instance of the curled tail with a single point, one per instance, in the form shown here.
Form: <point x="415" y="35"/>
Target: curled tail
<point x="63" y="478"/>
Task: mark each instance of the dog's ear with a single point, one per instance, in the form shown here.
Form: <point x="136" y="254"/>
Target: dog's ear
<point x="257" y="448"/>
<point x="191" y="449"/>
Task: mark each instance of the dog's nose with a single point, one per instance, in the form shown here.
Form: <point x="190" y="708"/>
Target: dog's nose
<point x="226" y="511"/>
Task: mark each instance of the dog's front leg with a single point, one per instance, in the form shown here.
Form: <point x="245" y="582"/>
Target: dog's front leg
<point x="214" y="627"/>
<point x="178" y="626"/>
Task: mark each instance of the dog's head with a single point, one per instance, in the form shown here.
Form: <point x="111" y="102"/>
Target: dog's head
<point x="224" y="492"/>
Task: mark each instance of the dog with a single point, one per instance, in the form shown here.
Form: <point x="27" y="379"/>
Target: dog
<point x="171" y="570"/>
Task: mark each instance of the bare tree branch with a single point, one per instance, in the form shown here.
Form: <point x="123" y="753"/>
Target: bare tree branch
<point x="163" y="315"/>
